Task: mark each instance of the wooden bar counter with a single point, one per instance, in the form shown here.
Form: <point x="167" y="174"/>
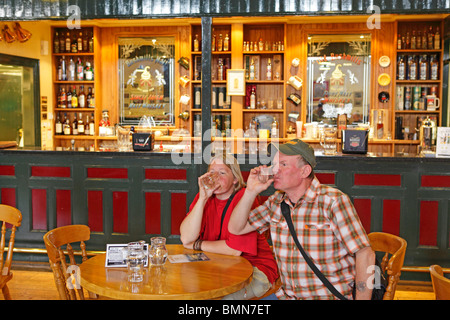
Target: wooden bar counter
<point x="127" y="196"/>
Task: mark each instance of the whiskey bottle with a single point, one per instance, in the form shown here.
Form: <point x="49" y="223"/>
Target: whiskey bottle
<point x="58" y="126"/>
<point x="407" y="98"/>
<point x="87" y="129"/>
<point x="408" y="41"/>
<point x="63" y="98"/>
<point x="401" y="68"/>
<point x="434" y="67"/>
<point x="67" y="42"/>
<point x="75" y="125"/>
<point x="213" y="43"/>
<point x="252" y="70"/>
<point x="412" y="67"/>
<point x="196" y="43"/>
<point x="220" y="43"/>
<point x="67" y="130"/>
<point x="424" y="39"/>
<point x="423" y="67"/>
<point x="62" y="43"/>
<point x="260" y="45"/>
<point x="413" y="40"/>
<point x="80" y="42"/>
<point x="80" y="125"/>
<point x="91" y="43"/>
<point x="85" y="42"/>
<point x="226" y="43"/>
<point x="419" y="40"/>
<point x="74" y="45"/>
<point x="92" y="125"/>
<point x="220" y="70"/>
<point x="437" y="39"/>
<point x="430" y="38"/>
<point x="81" y="98"/>
<point x="56" y="43"/>
<point x="74" y="98"/>
<point x="253" y="99"/>
<point x="69" y="98"/>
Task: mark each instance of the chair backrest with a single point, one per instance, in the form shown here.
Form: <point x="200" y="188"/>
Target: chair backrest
<point x="13" y="217"/>
<point x="65" y="273"/>
<point x="441" y="284"/>
<point x="394" y="248"/>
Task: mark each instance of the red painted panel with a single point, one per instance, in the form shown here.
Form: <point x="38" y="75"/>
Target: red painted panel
<point x="428" y="223"/>
<point x="107" y="173"/>
<point x="60" y="172"/>
<point x="245" y="175"/>
<point x="39" y="209"/>
<point x="326" y="178"/>
<point x="95" y="210"/>
<point x="63" y="208"/>
<point x="7" y="171"/>
<point x="8" y="196"/>
<point x="436" y="181"/>
<point x="120" y="212"/>
<point x="165" y="174"/>
<point x="378" y="180"/>
<point x="391" y="217"/>
<point x="363" y="208"/>
<point x="178" y="211"/>
<point x="152" y="212"/>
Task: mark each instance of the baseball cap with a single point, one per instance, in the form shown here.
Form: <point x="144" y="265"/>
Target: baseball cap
<point x="293" y="148"/>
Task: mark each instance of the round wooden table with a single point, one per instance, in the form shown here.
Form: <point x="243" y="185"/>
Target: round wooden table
<point x="215" y="278"/>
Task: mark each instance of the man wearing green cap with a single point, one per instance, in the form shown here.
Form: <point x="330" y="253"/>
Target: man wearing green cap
<point x="324" y="219"/>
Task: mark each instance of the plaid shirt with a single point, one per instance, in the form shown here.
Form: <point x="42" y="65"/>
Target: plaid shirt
<point x="329" y="230"/>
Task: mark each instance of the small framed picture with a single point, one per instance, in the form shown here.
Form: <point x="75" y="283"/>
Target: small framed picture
<point x="236" y="82"/>
<point x="116" y="255"/>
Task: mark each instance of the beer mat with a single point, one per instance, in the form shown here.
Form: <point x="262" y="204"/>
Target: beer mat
<point x="7" y="144"/>
<point x="181" y="258"/>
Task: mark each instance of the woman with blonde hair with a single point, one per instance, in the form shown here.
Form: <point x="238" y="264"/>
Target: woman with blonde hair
<point x="206" y="226"/>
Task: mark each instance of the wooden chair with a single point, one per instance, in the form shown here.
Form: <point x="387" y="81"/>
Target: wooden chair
<point x="13" y="217"/>
<point x="65" y="274"/>
<point x="392" y="262"/>
<point x="441" y="284"/>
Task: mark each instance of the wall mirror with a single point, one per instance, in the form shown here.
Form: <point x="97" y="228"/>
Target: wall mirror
<point x="338" y="77"/>
<point x="146" y="79"/>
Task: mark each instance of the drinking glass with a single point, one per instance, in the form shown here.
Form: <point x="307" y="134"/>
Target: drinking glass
<point x="265" y="174"/>
<point x="158" y="252"/>
<point x="328" y="141"/>
<point x="210" y="180"/>
<point x="135" y="257"/>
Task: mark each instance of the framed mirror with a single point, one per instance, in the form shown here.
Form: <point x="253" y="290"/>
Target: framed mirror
<point x="146" y="79"/>
<point x="338" y="77"/>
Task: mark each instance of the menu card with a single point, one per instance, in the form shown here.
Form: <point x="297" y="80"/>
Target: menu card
<point x="181" y="258"/>
<point x="443" y="142"/>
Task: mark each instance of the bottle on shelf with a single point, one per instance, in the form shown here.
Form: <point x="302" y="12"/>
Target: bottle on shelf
<point x="67" y="130"/>
<point x="74" y="98"/>
<point x="274" y="129"/>
<point x="58" y="126"/>
<point x="63" y="98"/>
<point x="220" y="70"/>
<point x="196" y="43"/>
<point x="401" y="68"/>
<point x="69" y="98"/>
<point x="74" y="44"/>
<point x="67" y="42"/>
<point x="408" y="41"/>
<point x="413" y="40"/>
<point x="62" y="42"/>
<point x="437" y="39"/>
<point x="71" y="71"/>
<point x="380" y="131"/>
<point x="220" y="43"/>
<point x="75" y="125"/>
<point x="213" y="43"/>
<point x="269" y="70"/>
<point x="85" y="42"/>
<point x="423" y="67"/>
<point x="412" y="67"/>
<point x="87" y="127"/>
<point x="425" y="40"/>
<point x="63" y="69"/>
<point x="79" y="70"/>
<point x="80" y="125"/>
<point x="434" y="67"/>
<point x="91" y="42"/>
<point x="92" y="125"/>
<point x="430" y="42"/>
<point x="226" y="43"/>
<point x="253" y="99"/>
<point x="92" y="99"/>
<point x="81" y="98"/>
<point x="261" y="45"/>
<point x="419" y="40"/>
<point x="56" y="42"/>
<point x="80" y="42"/>
<point x="252" y="70"/>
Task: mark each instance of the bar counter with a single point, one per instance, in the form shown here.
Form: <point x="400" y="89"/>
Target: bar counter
<point x="127" y="196"/>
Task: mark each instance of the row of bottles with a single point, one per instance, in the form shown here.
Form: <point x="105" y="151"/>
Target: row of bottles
<point x="73" y="41"/>
<point x="418" y="67"/>
<point x="416" y="39"/>
<point x="219" y="43"/>
<point x="76" y="126"/>
<point x="253" y="102"/>
<point x="251" y="46"/>
<point x="415" y="98"/>
<point x="75" y="71"/>
<point x="73" y="99"/>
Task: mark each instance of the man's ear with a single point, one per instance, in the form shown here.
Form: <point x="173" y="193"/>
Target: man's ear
<point x="306" y="171"/>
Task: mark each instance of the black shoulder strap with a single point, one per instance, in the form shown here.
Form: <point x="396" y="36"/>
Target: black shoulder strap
<point x="285" y="210"/>
<point x="224" y="213"/>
